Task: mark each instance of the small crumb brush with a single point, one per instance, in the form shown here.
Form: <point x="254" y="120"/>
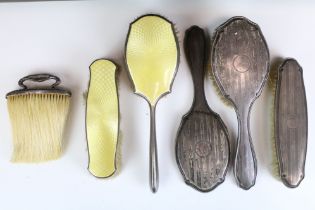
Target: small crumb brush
<point x="38" y="117"/>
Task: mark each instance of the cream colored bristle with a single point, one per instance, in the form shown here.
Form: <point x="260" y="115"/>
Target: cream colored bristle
<point x="38" y="122"/>
<point x="216" y="88"/>
<point x="271" y="88"/>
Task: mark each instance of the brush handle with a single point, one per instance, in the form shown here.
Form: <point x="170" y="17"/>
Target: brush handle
<point x="245" y="167"/>
<point x="154" y="169"/>
<point x="196" y="55"/>
<point x="39" y="78"/>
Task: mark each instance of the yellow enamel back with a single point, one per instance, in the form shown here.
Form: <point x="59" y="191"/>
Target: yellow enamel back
<point x="102" y="115"/>
<point x="151" y="55"/>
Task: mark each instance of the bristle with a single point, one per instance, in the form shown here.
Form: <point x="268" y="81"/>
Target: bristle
<point x="275" y="168"/>
<point x="271" y="87"/>
<point x="38" y="122"/>
<point x="216" y="88"/>
<point x="84" y="95"/>
<point x="118" y="158"/>
<point x="272" y="80"/>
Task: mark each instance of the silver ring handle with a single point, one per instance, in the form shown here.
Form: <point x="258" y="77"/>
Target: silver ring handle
<point x="39" y="78"/>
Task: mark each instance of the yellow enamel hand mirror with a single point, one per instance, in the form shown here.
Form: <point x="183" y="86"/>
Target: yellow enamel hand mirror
<point x="152" y="59"/>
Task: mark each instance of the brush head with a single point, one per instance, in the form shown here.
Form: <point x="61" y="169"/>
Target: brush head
<point x="38" y="117"/>
<point x="240" y="60"/>
<point x="152" y="56"/>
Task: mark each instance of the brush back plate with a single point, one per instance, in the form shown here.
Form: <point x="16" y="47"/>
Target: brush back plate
<point x="202" y="150"/>
<point x="291" y="123"/>
<point x="240" y="60"/>
<point x="102" y="118"/>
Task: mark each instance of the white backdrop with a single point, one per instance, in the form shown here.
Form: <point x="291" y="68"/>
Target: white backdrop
<point x="65" y="37"/>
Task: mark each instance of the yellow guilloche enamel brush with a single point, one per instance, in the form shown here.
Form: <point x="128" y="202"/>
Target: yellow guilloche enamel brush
<point x="152" y="57"/>
<point x="38" y="116"/>
<point x="102" y="118"/>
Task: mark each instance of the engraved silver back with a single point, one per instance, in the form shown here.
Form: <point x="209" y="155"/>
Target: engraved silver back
<point x="202" y="146"/>
<point x="240" y="64"/>
<point x="291" y="123"/>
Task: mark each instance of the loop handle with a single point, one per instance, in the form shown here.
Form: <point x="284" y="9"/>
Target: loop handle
<point x="39" y="78"/>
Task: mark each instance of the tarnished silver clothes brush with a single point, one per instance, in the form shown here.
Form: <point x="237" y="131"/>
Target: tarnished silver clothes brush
<point x="38" y="117"/>
<point x="291" y="123"/>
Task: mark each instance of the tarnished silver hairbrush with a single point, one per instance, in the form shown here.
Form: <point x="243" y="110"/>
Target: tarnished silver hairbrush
<point x="202" y="145"/>
<point x="240" y="64"/>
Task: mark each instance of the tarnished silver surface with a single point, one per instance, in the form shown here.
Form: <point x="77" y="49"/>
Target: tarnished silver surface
<point x="202" y="147"/>
<point x="291" y="123"/>
<point x="240" y="64"/>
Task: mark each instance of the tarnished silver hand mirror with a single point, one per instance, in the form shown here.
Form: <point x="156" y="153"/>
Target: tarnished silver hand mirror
<point x="240" y="64"/>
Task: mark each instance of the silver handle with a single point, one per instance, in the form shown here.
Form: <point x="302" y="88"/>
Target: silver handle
<point x="245" y="168"/>
<point x="154" y="169"/>
<point x="39" y="78"/>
